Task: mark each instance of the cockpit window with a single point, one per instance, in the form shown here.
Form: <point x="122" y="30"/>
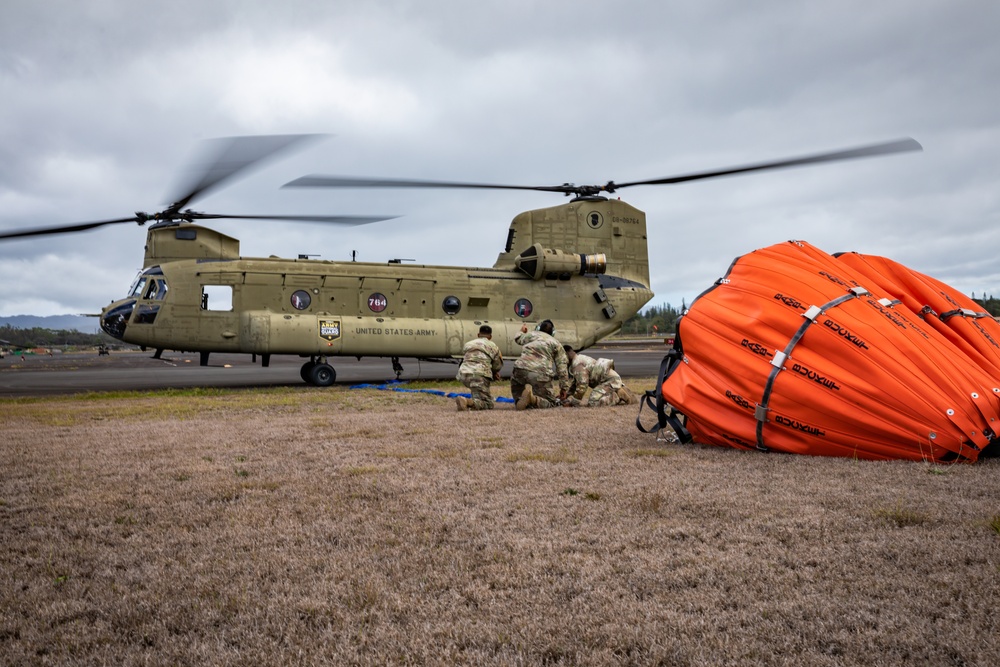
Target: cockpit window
<point x="156" y="289"/>
<point x="138" y="286"/>
<point x="149" y="288"/>
<point x="141" y="280"/>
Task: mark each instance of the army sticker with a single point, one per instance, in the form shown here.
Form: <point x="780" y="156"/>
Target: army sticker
<point x="329" y="329"/>
<point x="522" y="308"/>
<point x="595" y="220"/>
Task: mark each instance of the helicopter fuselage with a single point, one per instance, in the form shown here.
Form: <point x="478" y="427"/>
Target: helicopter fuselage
<point x="310" y="307"/>
<point x="197" y="294"/>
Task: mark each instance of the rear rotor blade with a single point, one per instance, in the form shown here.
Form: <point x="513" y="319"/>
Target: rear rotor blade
<point x="899" y="146"/>
<point x="317" y="181"/>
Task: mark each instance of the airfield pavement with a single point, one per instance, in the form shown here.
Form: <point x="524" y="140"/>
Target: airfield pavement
<point x="38" y="375"/>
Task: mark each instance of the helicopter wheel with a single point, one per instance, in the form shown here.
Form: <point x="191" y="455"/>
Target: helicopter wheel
<point x="306" y="371"/>
<point x="322" y="375"/>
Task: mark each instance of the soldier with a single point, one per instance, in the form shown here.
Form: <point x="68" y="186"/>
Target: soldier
<point x="481" y="363"/>
<point x="606" y="385"/>
<point x="540" y="378"/>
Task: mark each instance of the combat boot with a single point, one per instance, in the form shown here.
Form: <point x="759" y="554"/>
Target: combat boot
<point x="527" y="399"/>
<point x="462" y="403"/>
<point x="625" y="397"/>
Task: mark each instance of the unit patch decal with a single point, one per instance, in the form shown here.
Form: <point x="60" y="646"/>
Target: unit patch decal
<point x="329" y="329"/>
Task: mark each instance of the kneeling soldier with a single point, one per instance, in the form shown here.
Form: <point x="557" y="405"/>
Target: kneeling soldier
<point x="481" y="363"/>
<point x="606" y="385"/>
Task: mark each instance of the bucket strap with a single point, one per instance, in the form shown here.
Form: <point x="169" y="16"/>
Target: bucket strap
<point x="964" y="312"/>
<point x="653" y="399"/>
<point x="777" y="363"/>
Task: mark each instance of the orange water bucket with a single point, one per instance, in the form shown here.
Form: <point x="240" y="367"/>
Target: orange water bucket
<point x="798" y="351"/>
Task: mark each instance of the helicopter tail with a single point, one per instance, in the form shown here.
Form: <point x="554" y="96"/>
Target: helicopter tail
<point x="607" y="235"/>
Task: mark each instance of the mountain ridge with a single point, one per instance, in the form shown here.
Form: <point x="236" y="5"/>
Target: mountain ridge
<point x="80" y="323"/>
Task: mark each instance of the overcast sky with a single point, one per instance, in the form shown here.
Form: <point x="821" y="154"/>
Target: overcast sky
<point x="105" y="103"/>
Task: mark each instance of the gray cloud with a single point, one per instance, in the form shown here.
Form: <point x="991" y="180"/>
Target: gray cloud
<point x="105" y="102"/>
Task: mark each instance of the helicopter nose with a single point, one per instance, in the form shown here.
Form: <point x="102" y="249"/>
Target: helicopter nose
<point x="114" y="319"/>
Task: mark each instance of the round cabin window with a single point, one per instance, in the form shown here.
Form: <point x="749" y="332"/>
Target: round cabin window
<point x="451" y="305"/>
<point x="523" y="308"/>
<point x="377" y="302"/>
<point x="301" y="299"/>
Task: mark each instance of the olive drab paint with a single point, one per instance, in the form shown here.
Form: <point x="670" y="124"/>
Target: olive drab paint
<point x="583" y="264"/>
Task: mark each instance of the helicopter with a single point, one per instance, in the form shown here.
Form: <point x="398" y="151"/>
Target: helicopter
<point x="583" y="264"/>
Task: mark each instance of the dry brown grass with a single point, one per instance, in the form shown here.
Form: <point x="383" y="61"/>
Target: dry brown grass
<point x="360" y="527"/>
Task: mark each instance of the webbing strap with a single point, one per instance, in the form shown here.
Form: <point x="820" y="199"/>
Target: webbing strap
<point x="779" y="358"/>
<point x="964" y="312"/>
<point x="653" y="398"/>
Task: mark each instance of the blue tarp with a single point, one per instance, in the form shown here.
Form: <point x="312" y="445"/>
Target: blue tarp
<point x="393" y="385"/>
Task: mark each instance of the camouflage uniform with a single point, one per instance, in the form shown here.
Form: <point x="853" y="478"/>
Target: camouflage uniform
<point x="543" y="366"/>
<point x="599" y="374"/>
<point x="481" y="361"/>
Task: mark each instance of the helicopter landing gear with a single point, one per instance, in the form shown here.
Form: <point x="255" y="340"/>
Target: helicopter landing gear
<point x="318" y="373"/>
<point x="397" y="367"/>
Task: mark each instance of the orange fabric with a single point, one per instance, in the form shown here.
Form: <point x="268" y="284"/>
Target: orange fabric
<point x="974" y="332"/>
<point x="867" y="379"/>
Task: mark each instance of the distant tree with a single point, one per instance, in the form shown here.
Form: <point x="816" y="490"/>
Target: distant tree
<point x="663" y="317"/>
<point x="38" y="337"/>
<point x="989" y="304"/>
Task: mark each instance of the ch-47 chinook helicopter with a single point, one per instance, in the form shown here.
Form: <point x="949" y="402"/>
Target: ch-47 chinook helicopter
<point x="583" y="264"/>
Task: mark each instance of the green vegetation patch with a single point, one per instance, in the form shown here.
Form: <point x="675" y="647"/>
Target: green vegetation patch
<point x="902" y="516"/>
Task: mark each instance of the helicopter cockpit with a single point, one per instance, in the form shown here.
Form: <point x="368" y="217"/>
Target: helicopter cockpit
<point x="149" y="287"/>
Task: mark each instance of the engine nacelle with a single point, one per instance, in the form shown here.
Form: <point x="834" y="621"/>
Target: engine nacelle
<point x="551" y="264"/>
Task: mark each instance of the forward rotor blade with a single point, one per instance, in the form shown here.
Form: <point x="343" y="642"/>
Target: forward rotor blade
<point x="348" y="220"/>
<point x="62" y="229"/>
<point x="317" y="181"/>
<point x="899" y="146"/>
<point x="222" y="159"/>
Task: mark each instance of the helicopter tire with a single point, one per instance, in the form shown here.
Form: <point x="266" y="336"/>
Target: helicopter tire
<point x="322" y="375"/>
<point x="306" y="371"/>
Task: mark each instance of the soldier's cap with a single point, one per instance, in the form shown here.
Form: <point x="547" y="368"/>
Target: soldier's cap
<point x="486" y="329"/>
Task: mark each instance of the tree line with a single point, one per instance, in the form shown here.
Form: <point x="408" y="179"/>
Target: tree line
<point x="654" y="321"/>
<point x="39" y="337"/>
<point x="989" y="304"/>
<point x="662" y="319"/>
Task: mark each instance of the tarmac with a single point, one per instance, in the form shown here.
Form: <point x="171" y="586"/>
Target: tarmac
<point x="81" y="372"/>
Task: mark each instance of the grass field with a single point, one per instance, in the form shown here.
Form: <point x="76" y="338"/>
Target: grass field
<point x="340" y="526"/>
